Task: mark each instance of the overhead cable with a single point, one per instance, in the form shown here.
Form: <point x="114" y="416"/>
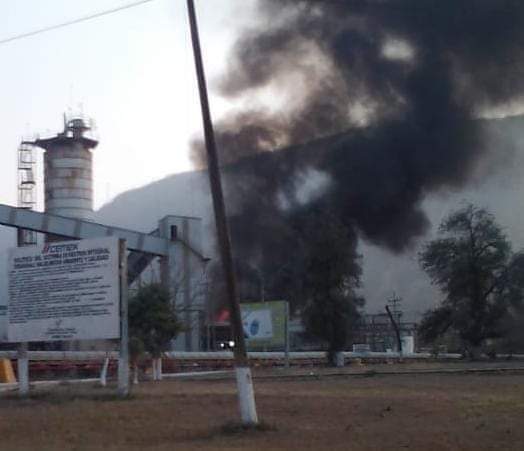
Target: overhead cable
<point x="73" y="21"/>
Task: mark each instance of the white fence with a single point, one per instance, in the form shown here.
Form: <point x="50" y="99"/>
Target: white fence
<point x="227" y="355"/>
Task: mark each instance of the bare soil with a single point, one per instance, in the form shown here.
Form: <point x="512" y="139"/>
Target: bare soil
<point x="365" y="412"/>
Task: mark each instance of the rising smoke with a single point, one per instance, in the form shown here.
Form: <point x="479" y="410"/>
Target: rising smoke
<point x="379" y="97"/>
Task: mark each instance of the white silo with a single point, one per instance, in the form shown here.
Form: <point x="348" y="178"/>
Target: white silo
<point x="68" y="170"/>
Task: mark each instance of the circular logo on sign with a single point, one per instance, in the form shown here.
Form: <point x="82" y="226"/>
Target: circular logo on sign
<point x="254" y="327"/>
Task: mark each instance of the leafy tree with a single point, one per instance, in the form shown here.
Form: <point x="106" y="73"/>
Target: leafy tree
<point x="472" y="263"/>
<point x="136" y="351"/>
<point x="331" y="274"/>
<point x="512" y="341"/>
<point x="511" y="324"/>
<point x="153" y="323"/>
<point x="332" y="318"/>
<point x="307" y="257"/>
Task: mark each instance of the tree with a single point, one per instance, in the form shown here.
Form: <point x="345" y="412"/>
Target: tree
<point x="308" y="257"/>
<point x="512" y="340"/>
<point x="472" y="263"/>
<point x="331" y="275"/>
<point x="153" y="323"/>
<point x="332" y="318"/>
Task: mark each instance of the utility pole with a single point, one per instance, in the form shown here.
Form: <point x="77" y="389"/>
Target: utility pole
<point x="395" y="302"/>
<point x="395" y="318"/>
<point x="123" y="360"/>
<point x="246" y="394"/>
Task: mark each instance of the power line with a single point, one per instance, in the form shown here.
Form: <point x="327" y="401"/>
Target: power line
<point x="74" y="21"/>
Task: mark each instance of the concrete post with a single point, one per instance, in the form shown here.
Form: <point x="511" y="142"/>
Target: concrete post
<point x="123" y="361"/>
<point x="103" y="372"/>
<point x="286" y="351"/>
<point x="23" y="369"/>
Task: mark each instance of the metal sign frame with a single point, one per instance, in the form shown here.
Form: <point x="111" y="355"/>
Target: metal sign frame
<point x="144" y="247"/>
<point x="64" y="291"/>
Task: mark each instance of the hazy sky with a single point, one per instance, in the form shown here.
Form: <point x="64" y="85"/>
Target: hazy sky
<point x="132" y="72"/>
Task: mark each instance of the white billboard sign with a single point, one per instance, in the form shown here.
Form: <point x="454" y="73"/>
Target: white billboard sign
<point x="64" y="291"/>
<point x="258" y="324"/>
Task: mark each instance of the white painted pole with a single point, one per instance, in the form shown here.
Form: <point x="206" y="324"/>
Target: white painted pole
<point x="123" y="361"/>
<point x="135" y="374"/>
<point x="246" y="396"/>
<point x="23" y="369"/>
<point x="286" y="352"/>
<point x="103" y="373"/>
<point x="159" y="369"/>
<point x="153" y="366"/>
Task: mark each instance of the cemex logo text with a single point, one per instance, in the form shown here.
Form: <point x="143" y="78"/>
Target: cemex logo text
<point x="59" y="248"/>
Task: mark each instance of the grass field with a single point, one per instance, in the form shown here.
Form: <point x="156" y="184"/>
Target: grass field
<point x="367" y="412"/>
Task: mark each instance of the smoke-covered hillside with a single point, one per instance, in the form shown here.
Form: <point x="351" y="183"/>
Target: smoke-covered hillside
<point x="500" y="188"/>
<point x="502" y="191"/>
<point x="378" y="105"/>
<point x="410" y="79"/>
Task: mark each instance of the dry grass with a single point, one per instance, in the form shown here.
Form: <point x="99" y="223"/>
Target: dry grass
<point x="428" y="412"/>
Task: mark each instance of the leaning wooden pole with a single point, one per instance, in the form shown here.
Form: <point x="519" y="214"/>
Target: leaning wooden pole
<point x="246" y="394"/>
<point x="397" y="330"/>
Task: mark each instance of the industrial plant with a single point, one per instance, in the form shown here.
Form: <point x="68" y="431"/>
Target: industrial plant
<point x="68" y="193"/>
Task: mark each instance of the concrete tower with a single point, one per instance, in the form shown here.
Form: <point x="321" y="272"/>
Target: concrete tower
<point x="68" y="174"/>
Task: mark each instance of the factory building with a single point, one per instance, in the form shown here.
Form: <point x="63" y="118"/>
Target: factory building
<point x="68" y="192"/>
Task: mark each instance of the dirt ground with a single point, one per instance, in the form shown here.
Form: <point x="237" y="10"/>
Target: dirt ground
<point x="365" y="412"/>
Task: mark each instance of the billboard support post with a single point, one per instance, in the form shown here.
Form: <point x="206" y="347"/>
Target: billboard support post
<point x="123" y="361"/>
<point x="286" y="349"/>
<point x="23" y="369"/>
<point x="22" y="361"/>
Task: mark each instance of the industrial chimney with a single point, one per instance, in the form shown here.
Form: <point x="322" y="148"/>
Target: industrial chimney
<point x="68" y="180"/>
<point x="68" y="162"/>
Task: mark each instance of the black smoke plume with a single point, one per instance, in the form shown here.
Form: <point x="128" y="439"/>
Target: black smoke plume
<point x="379" y="99"/>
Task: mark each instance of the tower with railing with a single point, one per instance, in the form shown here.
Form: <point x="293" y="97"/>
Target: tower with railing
<point x="68" y="183"/>
<point x="26" y="189"/>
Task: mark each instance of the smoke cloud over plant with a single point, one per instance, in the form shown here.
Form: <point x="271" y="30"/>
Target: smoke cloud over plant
<point x="379" y="97"/>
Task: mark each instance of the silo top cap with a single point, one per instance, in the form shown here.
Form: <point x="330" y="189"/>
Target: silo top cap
<point x="74" y="130"/>
<point x="65" y="139"/>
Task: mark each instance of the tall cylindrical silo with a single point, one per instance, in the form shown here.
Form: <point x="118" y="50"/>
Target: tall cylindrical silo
<point x="68" y="174"/>
<point x="68" y="180"/>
